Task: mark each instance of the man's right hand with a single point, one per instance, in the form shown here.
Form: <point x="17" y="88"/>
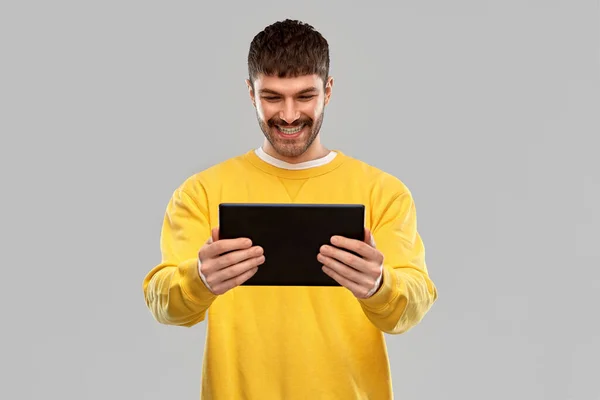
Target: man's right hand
<point x="226" y="271"/>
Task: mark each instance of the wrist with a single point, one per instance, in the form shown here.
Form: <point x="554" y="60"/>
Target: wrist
<point x="202" y="277"/>
<point x="377" y="284"/>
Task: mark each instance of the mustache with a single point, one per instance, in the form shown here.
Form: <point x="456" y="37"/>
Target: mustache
<point x="276" y="121"/>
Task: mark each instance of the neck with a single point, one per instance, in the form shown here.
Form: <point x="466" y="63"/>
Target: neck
<point x="315" y="151"/>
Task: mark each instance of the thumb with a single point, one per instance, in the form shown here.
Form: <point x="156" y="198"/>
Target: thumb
<point x="214" y="235"/>
<point x="369" y="238"/>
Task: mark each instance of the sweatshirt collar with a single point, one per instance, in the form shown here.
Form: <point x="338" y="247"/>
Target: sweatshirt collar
<point x="307" y="169"/>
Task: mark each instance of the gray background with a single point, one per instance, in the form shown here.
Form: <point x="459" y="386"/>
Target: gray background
<point x="488" y="111"/>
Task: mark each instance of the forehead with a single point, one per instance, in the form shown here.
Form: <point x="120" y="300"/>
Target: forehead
<point x="288" y="85"/>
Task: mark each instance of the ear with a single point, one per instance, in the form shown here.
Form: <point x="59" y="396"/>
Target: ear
<point x="328" y="89"/>
<point x="251" y="92"/>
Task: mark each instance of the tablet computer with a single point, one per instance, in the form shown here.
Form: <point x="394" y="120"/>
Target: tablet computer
<point x="291" y="236"/>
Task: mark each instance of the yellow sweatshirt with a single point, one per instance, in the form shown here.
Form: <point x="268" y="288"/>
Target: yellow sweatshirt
<point x="288" y="343"/>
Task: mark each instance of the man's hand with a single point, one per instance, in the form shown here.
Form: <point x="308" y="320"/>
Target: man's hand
<point x="222" y="271"/>
<point x="361" y="275"/>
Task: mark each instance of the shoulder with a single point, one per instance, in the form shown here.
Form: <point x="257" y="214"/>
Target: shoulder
<point x="388" y="197"/>
<point x="197" y="184"/>
<point x="378" y="181"/>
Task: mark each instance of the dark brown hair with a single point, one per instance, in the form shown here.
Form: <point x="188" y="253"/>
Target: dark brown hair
<point x="288" y="48"/>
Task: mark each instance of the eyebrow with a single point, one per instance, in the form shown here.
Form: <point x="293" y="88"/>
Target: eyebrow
<point x="270" y="91"/>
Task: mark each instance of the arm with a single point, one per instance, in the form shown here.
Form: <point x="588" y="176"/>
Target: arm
<point x="406" y="293"/>
<point x="173" y="290"/>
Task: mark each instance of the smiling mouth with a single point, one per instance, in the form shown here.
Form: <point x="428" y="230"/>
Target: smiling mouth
<point x="290" y="131"/>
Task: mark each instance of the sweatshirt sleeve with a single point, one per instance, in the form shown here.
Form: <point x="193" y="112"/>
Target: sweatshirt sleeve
<point x="406" y="293"/>
<point x="173" y="290"/>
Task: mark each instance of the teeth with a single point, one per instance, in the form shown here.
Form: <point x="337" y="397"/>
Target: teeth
<point x="290" y="131"/>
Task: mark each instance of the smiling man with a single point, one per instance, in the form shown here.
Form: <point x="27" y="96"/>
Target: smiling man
<point x="290" y="113"/>
<point x="292" y="342"/>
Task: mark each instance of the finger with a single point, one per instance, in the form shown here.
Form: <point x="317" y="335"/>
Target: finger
<point x="345" y="257"/>
<point x="235" y="282"/>
<point x="222" y="246"/>
<point x="236" y="257"/>
<point x="235" y="275"/>
<point x="355" y="288"/>
<point x="369" y="239"/>
<point x="344" y="270"/>
<point x="357" y="246"/>
<point x="215" y="234"/>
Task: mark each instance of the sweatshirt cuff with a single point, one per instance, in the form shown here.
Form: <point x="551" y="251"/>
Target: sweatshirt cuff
<point x="192" y="284"/>
<point x="386" y="293"/>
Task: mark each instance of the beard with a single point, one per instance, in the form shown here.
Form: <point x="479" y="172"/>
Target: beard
<point x="292" y="147"/>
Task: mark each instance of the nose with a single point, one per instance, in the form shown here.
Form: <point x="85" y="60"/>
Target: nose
<point x="289" y="114"/>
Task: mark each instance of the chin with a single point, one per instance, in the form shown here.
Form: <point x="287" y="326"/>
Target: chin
<point x="290" y="145"/>
<point x="290" y="150"/>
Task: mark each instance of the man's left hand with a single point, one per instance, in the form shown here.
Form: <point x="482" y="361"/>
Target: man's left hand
<point x="360" y="274"/>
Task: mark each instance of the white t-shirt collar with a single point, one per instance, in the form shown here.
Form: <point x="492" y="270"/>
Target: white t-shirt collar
<point x="303" y="165"/>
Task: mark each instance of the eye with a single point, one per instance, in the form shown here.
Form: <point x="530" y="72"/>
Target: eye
<point x="270" y="98"/>
<point x="306" y="97"/>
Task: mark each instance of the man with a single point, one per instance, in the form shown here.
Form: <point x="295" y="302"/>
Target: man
<point x="292" y="342"/>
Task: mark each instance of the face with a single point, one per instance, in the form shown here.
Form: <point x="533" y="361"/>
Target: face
<point x="290" y="111"/>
